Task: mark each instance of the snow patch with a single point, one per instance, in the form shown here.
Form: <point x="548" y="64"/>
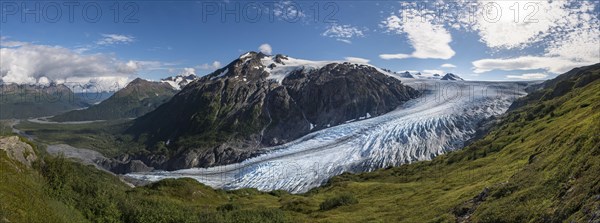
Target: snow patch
<point x="289" y="65"/>
<point x="222" y="74"/>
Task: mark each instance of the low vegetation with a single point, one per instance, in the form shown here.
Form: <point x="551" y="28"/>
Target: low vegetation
<point x="337" y="201"/>
<point x="102" y="136"/>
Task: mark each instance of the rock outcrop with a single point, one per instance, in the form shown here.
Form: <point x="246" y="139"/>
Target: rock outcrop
<point x="18" y="150"/>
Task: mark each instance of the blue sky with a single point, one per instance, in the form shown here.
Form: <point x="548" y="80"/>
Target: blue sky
<point x="162" y="38"/>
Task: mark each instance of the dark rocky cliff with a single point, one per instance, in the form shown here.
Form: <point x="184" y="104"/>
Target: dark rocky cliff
<point x="227" y="116"/>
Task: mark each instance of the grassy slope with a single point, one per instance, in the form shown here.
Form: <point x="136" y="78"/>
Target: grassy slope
<point x="59" y="190"/>
<point x="539" y="164"/>
<point x="542" y="169"/>
<point x="24" y="197"/>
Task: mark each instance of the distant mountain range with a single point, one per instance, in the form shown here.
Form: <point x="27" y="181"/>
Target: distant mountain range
<point x="407" y="74"/>
<point x="260" y="100"/>
<point x="179" y="81"/>
<point x="136" y="99"/>
<point x="30" y="101"/>
<point x="451" y="77"/>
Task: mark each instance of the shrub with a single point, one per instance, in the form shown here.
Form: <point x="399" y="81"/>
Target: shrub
<point x="256" y="216"/>
<point x="337" y="201"/>
<point x="297" y="204"/>
<point x="228" y="207"/>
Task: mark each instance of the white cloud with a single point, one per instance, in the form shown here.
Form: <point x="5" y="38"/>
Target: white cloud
<point x="289" y="11"/>
<point x="6" y="43"/>
<point x="537" y="21"/>
<point x="578" y="45"/>
<point x="430" y="41"/>
<point x="30" y="64"/>
<point x="188" y="71"/>
<point x="448" y="65"/>
<point x="551" y="64"/>
<point x="432" y="72"/>
<point x="213" y="66"/>
<point x="265" y="48"/>
<point x="345" y="41"/>
<point x="394" y="56"/>
<point x="568" y="32"/>
<point x="529" y="76"/>
<point x="574" y="42"/>
<point x="216" y="64"/>
<point x="342" y="32"/>
<point x="111" y="39"/>
<point x="357" y="60"/>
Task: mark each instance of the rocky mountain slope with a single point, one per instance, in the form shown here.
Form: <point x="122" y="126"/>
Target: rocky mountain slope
<point x="259" y="100"/>
<point x="136" y="99"/>
<point x="438" y="122"/>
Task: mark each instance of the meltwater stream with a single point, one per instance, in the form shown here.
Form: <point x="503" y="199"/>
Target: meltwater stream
<point x="444" y="117"/>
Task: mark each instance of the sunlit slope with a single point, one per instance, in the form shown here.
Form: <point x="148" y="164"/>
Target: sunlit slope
<point x="541" y="163"/>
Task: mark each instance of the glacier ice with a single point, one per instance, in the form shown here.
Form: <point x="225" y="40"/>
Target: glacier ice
<point x="439" y="121"/>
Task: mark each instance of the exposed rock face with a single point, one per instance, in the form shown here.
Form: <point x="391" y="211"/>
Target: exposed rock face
<point x="259" y="100"/>
<point x="333" y="95"/>
<point x="131" y="166"/>
<point x="18" y="150"/>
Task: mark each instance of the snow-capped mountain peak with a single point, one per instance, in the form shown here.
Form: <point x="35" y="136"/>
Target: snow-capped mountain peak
<point x="180" y="81"/>
<point x="406" y="74"/>
<point x="279" y="66"/>
<point x="452" y="77"/>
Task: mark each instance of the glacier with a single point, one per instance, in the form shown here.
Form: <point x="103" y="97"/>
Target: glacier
<point x="441" y="120"/>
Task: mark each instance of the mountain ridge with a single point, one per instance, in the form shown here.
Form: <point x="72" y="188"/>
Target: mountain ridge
<point x="137" y="98"/>
<point x="259" y="100"/>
